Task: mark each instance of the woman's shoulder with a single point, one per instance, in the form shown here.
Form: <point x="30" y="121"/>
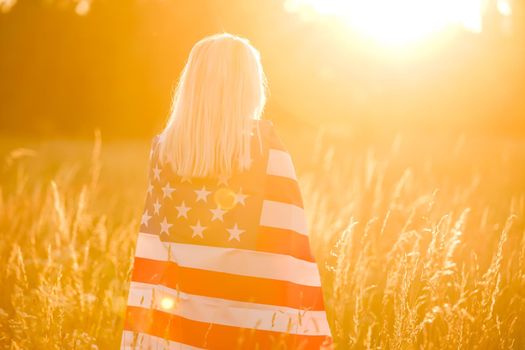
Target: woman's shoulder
<point x="270" y="135"/>
<point x="264" y="124"/>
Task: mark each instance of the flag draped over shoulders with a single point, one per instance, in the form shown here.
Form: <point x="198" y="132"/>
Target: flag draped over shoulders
<point x="225" y="263"/>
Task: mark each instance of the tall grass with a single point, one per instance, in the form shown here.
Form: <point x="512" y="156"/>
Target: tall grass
<point x="415" y="252"/>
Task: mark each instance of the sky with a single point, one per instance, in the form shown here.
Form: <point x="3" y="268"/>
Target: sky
<point x="67" y="68"/>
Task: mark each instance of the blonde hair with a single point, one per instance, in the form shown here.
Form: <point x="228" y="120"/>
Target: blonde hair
<point x="221" y="91"/>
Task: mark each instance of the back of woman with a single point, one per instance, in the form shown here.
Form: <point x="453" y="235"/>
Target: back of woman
<point x="222" y="258"/>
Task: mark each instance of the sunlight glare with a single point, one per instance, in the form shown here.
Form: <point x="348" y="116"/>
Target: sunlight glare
<point x="397" y="22"/>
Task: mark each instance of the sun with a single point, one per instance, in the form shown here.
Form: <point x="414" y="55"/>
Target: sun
<point x="397" y="22"/>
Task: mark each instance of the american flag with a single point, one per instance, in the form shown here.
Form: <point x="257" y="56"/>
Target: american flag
<point x="225" y="263"/>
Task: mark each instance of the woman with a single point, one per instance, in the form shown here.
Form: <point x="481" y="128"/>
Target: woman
<point x="222" y="259"/>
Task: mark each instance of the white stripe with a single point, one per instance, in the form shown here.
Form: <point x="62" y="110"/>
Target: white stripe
<point x="283" y="215"/>
<point x="228" y="312"/>
<point x="280" y="164"/>
<point x="229" y="260"/>
<point x="146" y="341"/>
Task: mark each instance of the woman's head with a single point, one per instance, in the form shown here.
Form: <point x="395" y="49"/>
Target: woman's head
<point x="220" y="92"/>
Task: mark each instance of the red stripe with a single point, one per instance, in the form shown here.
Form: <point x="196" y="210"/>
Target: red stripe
<point x="227" y="286"/>
<point x="283" y="189"/>
<point x="282" y="241"/>
<point x="212" y="336"/>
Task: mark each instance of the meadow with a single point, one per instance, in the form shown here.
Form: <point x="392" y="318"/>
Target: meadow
<point x="420" y="240"/>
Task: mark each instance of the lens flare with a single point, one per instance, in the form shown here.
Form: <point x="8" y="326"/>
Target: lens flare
<point x="504" y="7"/>
<point x="224" y="198"/>
<point x="167" y="303"/>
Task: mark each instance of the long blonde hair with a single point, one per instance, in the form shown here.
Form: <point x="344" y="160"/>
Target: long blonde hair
<point x="221" y="91"/>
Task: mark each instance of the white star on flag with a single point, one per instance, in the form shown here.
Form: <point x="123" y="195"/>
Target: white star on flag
<point x="156" y="172"/>
<point x="197" y="230"/>
<point x="235" y="233"/>
<point x="217" y="214"/>
<point x="145" y="218"/>
<point x="156" y="207"/>
<point x="223" y="179"/>
<point x="185" y="179"/>
<point x="150" y="189"/>
<point x="165" y="226"/>
<point x="182" y="210"/>
<point x="167" y="190"/>
<point x="240" y="197"/>
<point x="202" y="194"/>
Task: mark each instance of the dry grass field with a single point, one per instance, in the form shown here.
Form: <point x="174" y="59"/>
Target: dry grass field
<point x="421" y="242"/>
